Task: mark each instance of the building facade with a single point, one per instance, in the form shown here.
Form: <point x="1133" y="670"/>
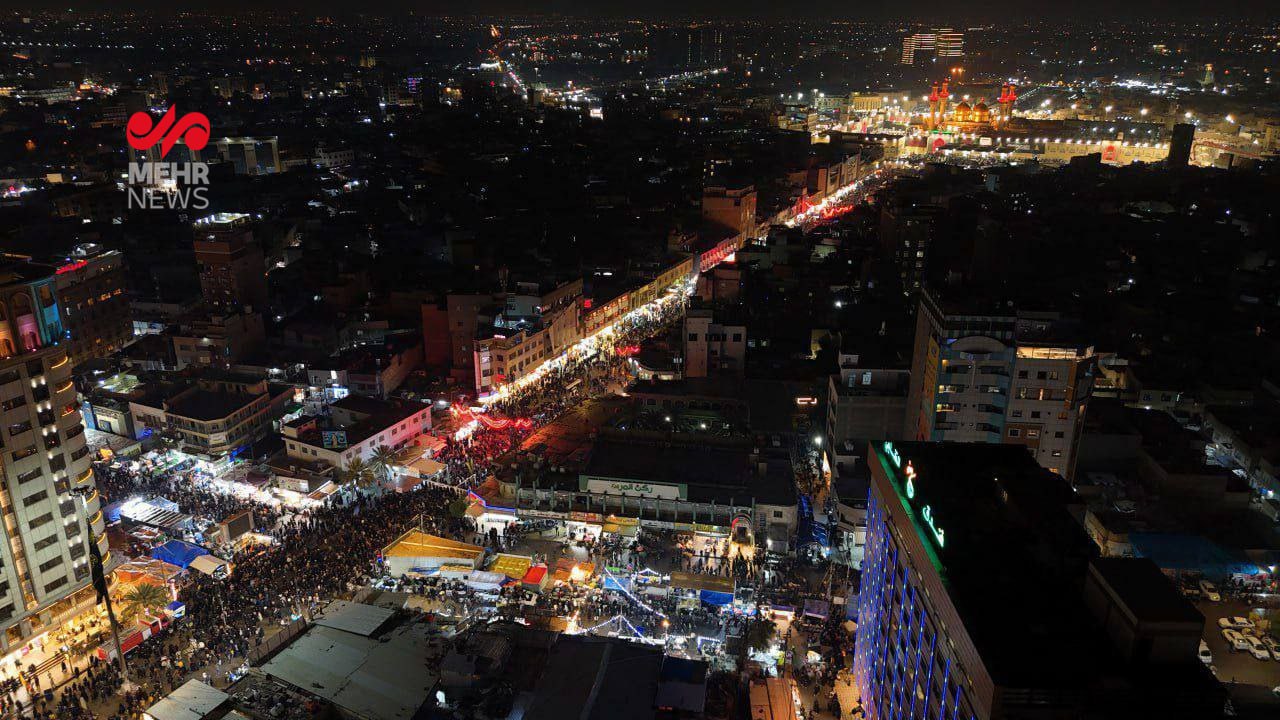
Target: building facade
<point x="50" y="502"/>
<point x="998" y="377"/>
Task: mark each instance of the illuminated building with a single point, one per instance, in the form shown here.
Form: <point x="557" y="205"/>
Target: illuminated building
<point x="998" y="377"/>
<point x="979" y="599"/>
<point x="922" y="47"/>
<point x="232" y="266"/>
<point x="95" y="310"/>
<point x="949" y="43"/>
<point x="978" y="130"/>
<point x="918" y="46"/>
<point x="51" y="505"/>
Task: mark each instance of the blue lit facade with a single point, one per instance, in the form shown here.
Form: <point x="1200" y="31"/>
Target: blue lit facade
<point x="903" y="663"/>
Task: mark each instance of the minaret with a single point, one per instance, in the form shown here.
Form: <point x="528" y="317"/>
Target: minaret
<point x="933" y="108"/>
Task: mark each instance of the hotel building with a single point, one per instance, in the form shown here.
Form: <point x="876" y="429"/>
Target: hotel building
<point x="50" y="505"/>
<point x="981" y="597"/>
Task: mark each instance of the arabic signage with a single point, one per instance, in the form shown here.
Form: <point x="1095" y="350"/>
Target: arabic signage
<point x="614" y="486"/>
<point x="910" y="481"/>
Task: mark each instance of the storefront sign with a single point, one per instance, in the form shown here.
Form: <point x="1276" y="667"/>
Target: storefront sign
<point x="585" y="517"/>
<point x="611" y="486"/>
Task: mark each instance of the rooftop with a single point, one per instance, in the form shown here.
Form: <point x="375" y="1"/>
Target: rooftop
<point x="205" y="405"/>
<point x="388" y="676"/>
<point x="1014" y="556"/>
<point x="590" y="678"/>
<point x="1146" y="591"/>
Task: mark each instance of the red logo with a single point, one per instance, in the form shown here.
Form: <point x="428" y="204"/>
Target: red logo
<point x="143" y="133"/>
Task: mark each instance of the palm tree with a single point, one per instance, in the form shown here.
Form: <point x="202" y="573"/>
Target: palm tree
<point x="144" y="598"/>
<point x="382" y="460"/>
<point x="358" y="472"/>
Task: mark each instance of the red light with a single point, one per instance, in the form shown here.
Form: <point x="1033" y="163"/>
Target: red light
<point x="72" y="267"/>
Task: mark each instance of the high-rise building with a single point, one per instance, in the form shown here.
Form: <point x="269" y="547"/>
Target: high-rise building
<point x="950" y="43"/>
<point x="232" y="265"/>
<point x="50" y="504"/>
<point x="1184" y="137"/>
<point x="998" y="376"/>
<point x="922" y="47"/>
<point x="908" y="231"/>
<point x="919" y="46"/>
<point x="980" y="598"/>
<point x="95" y="309"/>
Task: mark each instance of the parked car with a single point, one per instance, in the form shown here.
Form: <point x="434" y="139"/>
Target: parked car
<point x="1206" y="657"/>
<point x="1210" y="592"/>
<point x="1237" y="623"/>
<point x="1257" y="649"/>
<point x="1273" y="646"/>
<point x="1235" y="640"/>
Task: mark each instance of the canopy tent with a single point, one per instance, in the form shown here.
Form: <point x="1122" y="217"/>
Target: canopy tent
<point x="698" y="581"/>
<point x="481" y="580"/>
<point x="417" y="551"/>
<point x="613" y="582"/>
<point x="146" y="571"/>
<point x="711" y="597"/>
<point x="536" y="578"/>
<point x="512" y="566"/>
<point x="819" y="609"/>
<point x="177" y="552"/>
<point x="157" y="512"/>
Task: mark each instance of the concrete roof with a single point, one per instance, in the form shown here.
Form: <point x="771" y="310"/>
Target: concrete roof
<point x="385" y="678"/>
<point x="354" y="617"/>
<point x="193" y="700"/>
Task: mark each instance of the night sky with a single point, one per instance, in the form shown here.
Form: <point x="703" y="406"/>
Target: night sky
<point x="938" y="11"/>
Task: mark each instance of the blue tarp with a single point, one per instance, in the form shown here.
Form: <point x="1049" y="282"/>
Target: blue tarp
<point x="711" y="597"/>
<point x="810" y="531"/>
<point x="1173" y="551"/>
<point x="177" y="552"/>
<point x="612" y="582"/>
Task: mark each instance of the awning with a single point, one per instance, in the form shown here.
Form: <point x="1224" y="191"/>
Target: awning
<point x="696" y="581"/>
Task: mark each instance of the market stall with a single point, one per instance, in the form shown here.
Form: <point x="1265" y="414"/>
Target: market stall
<point x="420" y="552"/>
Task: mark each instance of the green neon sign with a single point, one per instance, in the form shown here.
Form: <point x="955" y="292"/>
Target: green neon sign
<point x="893" y="454"/>
<point x="909" y="485"/>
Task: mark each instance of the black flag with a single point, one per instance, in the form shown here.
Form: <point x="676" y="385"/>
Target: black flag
<point x="96" y="569"/>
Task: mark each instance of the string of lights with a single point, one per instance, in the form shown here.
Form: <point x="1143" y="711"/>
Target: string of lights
<point x="618" y="586"/>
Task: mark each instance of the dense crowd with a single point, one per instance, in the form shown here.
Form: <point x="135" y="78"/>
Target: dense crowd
<point x="314" y="555"/>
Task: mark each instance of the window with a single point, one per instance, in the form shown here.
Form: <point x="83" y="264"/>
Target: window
<point x="51" y="564"/>
<point x="777" y="513"/>
<point x="1059" y="434"/>
<point x="1033" y="434"/>
<point x="47" y="542"/>
<point x="1016" y="413"/>
<point x="30" y="500"/>
<point x="1022" y="374"/>
<point x="42" y="520"/>
<point x="1015" y="432"/>
<point x="59" y="582"/>
<point x="1057" y="453"/>
<point x="1035" y="414"/>
<point x="866" y="378"/>
<point x="693" y="336"/>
